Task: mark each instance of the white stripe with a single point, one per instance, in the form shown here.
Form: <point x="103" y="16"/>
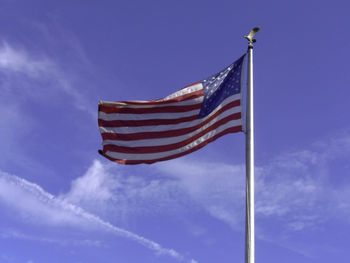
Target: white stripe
<point x="168" y="140"/>
<point x="168" y="127"/>
<point x="151" y="156"/>
<point x="189" y="89"/>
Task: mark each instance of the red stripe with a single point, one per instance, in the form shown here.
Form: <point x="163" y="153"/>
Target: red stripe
<point x="164" y="134"/>
<point x="189" y="96"/>
<point x="137" y="123"/>
<point x="229" y="130"/>
<point x="166" y="109"/>
<point x="169" y="147"/>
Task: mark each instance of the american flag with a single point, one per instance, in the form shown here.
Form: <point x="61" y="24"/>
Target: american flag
<point x="136" y="132"/>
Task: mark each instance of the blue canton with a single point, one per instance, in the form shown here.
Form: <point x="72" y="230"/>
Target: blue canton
<point x="220" y="86"/>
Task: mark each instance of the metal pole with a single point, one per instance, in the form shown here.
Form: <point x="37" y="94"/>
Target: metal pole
<point x="250" y="227"/>
<point x="249" y="233"/>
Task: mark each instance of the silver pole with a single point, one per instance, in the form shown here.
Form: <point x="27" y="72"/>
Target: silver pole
<point x="250" y="227"/>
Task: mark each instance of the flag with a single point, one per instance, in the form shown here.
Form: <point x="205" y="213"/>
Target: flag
<point x="135" y="132"/>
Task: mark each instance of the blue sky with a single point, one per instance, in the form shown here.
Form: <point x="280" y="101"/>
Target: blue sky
<point x="62" y="202"/>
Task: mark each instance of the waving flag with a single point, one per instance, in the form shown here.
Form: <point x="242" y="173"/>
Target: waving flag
<point x="136" y="132"/>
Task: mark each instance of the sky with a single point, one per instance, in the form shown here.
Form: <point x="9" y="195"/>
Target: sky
<point x="61" y="201"/>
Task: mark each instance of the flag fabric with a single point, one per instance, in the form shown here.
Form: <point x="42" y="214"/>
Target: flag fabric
<point x="135" y="132"/>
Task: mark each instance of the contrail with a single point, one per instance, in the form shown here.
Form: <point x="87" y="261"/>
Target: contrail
<point x="35" y="200"/>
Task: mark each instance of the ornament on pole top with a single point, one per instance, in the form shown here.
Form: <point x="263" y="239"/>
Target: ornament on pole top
<point x="251" y="35"/>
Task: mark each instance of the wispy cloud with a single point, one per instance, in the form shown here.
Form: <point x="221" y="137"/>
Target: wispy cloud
<point x="37" y="76"/>
<point x="37" y="89"/>
<point x="295" y="190"/>
<point x="44" y="208"/>
<point x="120" y="193"/>
<point x="217" y="187"/>
<point x="16" y="60"/>
<point x="182" y="184"/>
<point x="298" y="189"/>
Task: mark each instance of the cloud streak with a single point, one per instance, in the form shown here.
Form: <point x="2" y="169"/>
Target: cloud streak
<point x="21" y="67"/>
<point x="31" y="200"/>
<point x="18" y="61"/>
<point x="14" y="234"/>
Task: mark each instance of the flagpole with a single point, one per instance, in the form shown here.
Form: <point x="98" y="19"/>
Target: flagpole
<point x="250" y="224"/>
